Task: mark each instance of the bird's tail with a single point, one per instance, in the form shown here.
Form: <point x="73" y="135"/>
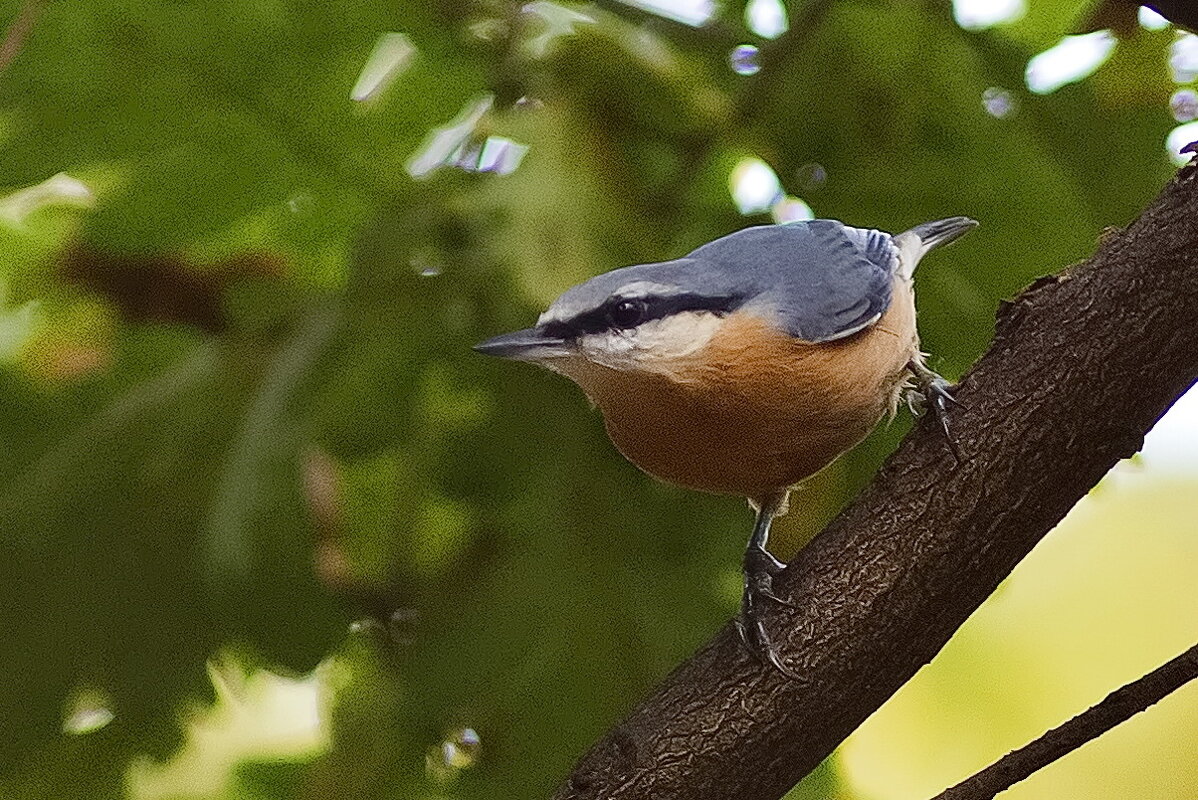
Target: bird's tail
<point x="922" y="239"/>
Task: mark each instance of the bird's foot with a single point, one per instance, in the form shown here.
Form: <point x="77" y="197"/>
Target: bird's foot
<point x="760" y="569"/>
<point x="937" y="397"/>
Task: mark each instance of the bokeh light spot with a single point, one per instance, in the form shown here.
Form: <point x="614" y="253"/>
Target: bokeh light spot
<point x="1184" y="105"/>
<point x="1152" y="21"/>
<point x="1180" y="137"/>
<point x="999" y="103"/>
<point x="766" y="18"/>
<point x="445" y="143"/>
<point x="1183" y="58"/>
<point x="976" y="15"/>
<point x="810" y="176"/>
<point x="791" y="209"/>
<point x="695" y="13"/>
<point x="459" y="750"/>
<point x="1072" y="59"/>
<point x="89" y="711"/>
<point x="57" y="190"/>
<point x="744" y="59"/>
<point x="391" y="56"/>
<point x="754" y="186"/>
<point x="556" y="22"/>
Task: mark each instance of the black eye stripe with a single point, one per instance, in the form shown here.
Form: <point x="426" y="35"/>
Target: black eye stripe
<point x="615" y="314"/>
<point x="627" y="313"/>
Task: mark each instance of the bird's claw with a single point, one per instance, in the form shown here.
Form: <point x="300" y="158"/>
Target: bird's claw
<point x="938" y="398"/>
<point x="760" y="569"/>
<point x="755" y="639"/>
<point x="759" y="564"/>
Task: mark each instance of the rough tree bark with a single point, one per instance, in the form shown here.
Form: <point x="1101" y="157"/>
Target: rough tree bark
<point x="1082" y="365"/>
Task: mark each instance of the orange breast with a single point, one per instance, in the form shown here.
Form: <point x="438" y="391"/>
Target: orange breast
<point x="755" y="410"/>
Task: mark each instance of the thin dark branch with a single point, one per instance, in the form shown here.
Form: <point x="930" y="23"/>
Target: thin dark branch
<point x="1082" y="365"/>
<point x="18" y="32"/>
<point x="1119" y="706"/>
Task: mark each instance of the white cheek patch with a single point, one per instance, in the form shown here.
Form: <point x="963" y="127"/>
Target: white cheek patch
<point x="654" y="346"/>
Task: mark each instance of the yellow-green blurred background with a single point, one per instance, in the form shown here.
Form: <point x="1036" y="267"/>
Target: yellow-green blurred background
<point x="269" y="529"/>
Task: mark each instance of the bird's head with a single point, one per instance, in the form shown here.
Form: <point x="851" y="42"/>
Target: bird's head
<point x="646" y="318"/>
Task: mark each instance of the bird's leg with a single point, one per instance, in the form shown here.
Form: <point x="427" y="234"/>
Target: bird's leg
<point x="937" y="397"/>
<point x="759" y="570"/>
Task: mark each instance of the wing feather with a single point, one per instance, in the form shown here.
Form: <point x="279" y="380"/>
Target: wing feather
<point x="823" y="279"/>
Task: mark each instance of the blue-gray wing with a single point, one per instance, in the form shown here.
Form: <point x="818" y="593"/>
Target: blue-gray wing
<point x="822" y="279"/>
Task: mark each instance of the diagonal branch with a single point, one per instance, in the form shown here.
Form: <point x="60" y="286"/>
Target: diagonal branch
<point x="1119" y="706"/>
<point x="1082" y="365"/>
<point x="19" y="31"/>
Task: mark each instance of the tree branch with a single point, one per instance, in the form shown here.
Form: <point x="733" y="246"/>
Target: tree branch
<point x="1082" y="365"/>
<point x="1119" y="706"/>
<point x="18" y="32"/>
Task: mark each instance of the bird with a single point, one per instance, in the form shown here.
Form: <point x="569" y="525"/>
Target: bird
<point x="749" y="364"/>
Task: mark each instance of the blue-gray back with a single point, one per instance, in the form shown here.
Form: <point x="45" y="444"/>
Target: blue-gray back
<point x="823" y="279"/>
<point x="820" y="280"/>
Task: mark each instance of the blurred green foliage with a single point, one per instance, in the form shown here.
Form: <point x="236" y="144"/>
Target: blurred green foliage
<point x="237" y="399"/>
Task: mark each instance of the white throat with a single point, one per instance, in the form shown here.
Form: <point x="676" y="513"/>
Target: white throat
<point x="660" y="345"/>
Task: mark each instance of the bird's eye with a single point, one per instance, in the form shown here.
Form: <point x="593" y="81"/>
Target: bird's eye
<point x="628" y="313"/>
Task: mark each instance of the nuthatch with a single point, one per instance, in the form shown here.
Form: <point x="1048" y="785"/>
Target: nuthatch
<point x="747" y="365"/>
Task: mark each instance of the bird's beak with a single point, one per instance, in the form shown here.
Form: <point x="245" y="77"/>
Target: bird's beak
<point x="943" y="231"/>
<point x="529" y="344"/>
